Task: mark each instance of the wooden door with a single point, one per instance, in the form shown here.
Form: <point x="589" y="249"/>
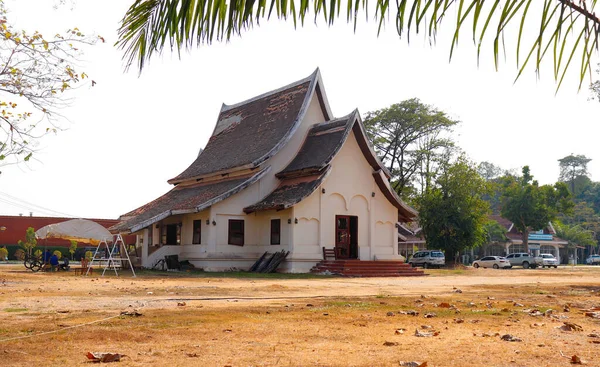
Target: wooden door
<point x="342" y="236"/>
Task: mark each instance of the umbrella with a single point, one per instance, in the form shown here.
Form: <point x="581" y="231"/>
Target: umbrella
<point x="80" y="230"/>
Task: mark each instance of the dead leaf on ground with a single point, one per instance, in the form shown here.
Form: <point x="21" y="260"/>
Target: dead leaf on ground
<point x="430" y="315"/>
<point x="132" y="313"/>
<point x="413" y="364"/>
<point x="409" y="312"/>
<point x="487" y="335"/>
<point x="390" y="344"/>
<point x="569" y="326"/>
<point x="535" y="324"/>
<point x="459" y="321"/>
<point x="426" y="334"/>
<point x="444" y="305"/>
<point x="399" y="331"/>
<point x="104" y="357"/>
<point x="576" y="360"/>
<point x="181" y="304"/>
<point x="192" y="355"/>
<point x="510" y="338"/>
<point x="594" y="315"/>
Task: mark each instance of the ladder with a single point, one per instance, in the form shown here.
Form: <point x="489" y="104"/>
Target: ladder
<point x="111" y="262"/>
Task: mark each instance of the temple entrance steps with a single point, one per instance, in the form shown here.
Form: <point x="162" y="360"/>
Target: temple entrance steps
<point x="360" y="268"/>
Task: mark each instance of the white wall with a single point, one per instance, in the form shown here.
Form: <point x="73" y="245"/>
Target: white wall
<point x="349" y="190"/>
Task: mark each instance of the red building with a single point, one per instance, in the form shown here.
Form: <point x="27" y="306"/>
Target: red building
<point x="13" y="229"/>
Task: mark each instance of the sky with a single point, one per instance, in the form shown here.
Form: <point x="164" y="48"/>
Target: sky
<point x="130" y="133"/>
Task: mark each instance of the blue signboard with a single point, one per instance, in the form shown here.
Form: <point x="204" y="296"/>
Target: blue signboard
<point x="540" y="237"/>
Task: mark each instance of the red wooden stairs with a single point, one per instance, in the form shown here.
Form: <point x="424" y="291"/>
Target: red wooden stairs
<point x="360" y="268"/>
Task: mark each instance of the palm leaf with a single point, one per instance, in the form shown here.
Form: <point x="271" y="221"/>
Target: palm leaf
<point x="150" y="26"/>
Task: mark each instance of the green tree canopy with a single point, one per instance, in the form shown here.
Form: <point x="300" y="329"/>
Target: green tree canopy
<point x="409" y="137"/>
<point x="562" y="28"/>
<point x="530" y="206"/>
<point x="30" y="240"/>
<point x="571" y="168"/>
<point x="452" y="212"/>
<point x="495" y="232"/>
<point x="576" y="235"/>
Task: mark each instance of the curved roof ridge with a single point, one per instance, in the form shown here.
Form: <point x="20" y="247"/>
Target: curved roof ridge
<point x="262" y="125"/>
<point x="367" y="147"/>
<point x="225" y="107"/>
<point x="322" y="143"/>
<point x="316" y="85"/>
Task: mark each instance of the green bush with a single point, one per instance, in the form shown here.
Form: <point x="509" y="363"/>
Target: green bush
<point x="3" y="253"/>
<point x="58" y="254"/>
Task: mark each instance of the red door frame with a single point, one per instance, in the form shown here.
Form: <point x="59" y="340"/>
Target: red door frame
<point x="342" y="236"/>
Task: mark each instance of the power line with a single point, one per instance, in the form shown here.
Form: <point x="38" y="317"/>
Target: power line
<point x="15" y="201"/>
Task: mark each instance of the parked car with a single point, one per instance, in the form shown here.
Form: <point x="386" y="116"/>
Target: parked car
<point x="593" y="260"/>
<point x="525" y="260"/>
<point x="549" y="260"/>
<point x="428" y="259"/>
<point x="495" y="262"/>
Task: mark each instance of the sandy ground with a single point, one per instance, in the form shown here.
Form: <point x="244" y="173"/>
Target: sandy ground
<point x="54" y="318"/>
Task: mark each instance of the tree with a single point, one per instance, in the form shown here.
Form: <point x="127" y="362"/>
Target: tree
<point x="72" y="248"/>
<point x="35" y="74"/>
<point x="576" y="235"/>
<point x="407" y="137"/>
<point x="562" y="27"/>
<point x="30" y="241"/>
<point x="530" y="207"/>
<point x="572" y="167"/>
<point x="489" y="171"/>
<point x="495" y="232"/>
<point x="452" y="212"/>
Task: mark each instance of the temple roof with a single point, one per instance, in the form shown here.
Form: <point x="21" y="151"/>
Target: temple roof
<point x="250" y="132"/>
<point x="320" y="147"/>
<point x="183" y="199"/>
<point x="289" y="193"/>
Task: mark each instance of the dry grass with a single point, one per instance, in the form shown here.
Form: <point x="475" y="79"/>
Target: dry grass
<point x="299" y="322"/>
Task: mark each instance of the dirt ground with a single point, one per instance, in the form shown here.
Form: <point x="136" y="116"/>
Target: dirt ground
<point x="460" y="317"/>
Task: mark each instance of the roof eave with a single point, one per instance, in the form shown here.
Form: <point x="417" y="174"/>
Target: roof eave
<point x="251" y="180"/>
<point x="405" y="212"/>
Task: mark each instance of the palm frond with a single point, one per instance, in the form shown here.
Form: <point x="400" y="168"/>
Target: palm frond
<point x="564" y="27"/>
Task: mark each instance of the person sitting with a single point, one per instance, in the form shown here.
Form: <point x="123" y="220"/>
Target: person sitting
<point x="46" y="257"/>
<point x="65" y="265"/>
<point x="53" y="262"/>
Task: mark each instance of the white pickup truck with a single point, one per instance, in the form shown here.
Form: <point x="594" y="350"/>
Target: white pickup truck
<point x="525" y="260"/>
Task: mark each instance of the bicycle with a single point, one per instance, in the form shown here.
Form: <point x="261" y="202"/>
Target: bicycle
<point x="32" y="262"/>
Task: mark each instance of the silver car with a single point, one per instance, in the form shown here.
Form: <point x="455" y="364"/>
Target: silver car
<point x="593" y="260"/>
<point x="549" y="260"/>
<point x="428" y="259"/>
<point x="495" y="262"/>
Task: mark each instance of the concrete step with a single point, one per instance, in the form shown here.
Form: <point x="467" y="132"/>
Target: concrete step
<point x="358" y="268"/>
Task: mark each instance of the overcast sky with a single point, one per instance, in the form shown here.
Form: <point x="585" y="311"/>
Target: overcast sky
<point x="130" y="133"/>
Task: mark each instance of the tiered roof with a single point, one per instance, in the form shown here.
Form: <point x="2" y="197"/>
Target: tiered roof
<point x="249" y="133"/>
